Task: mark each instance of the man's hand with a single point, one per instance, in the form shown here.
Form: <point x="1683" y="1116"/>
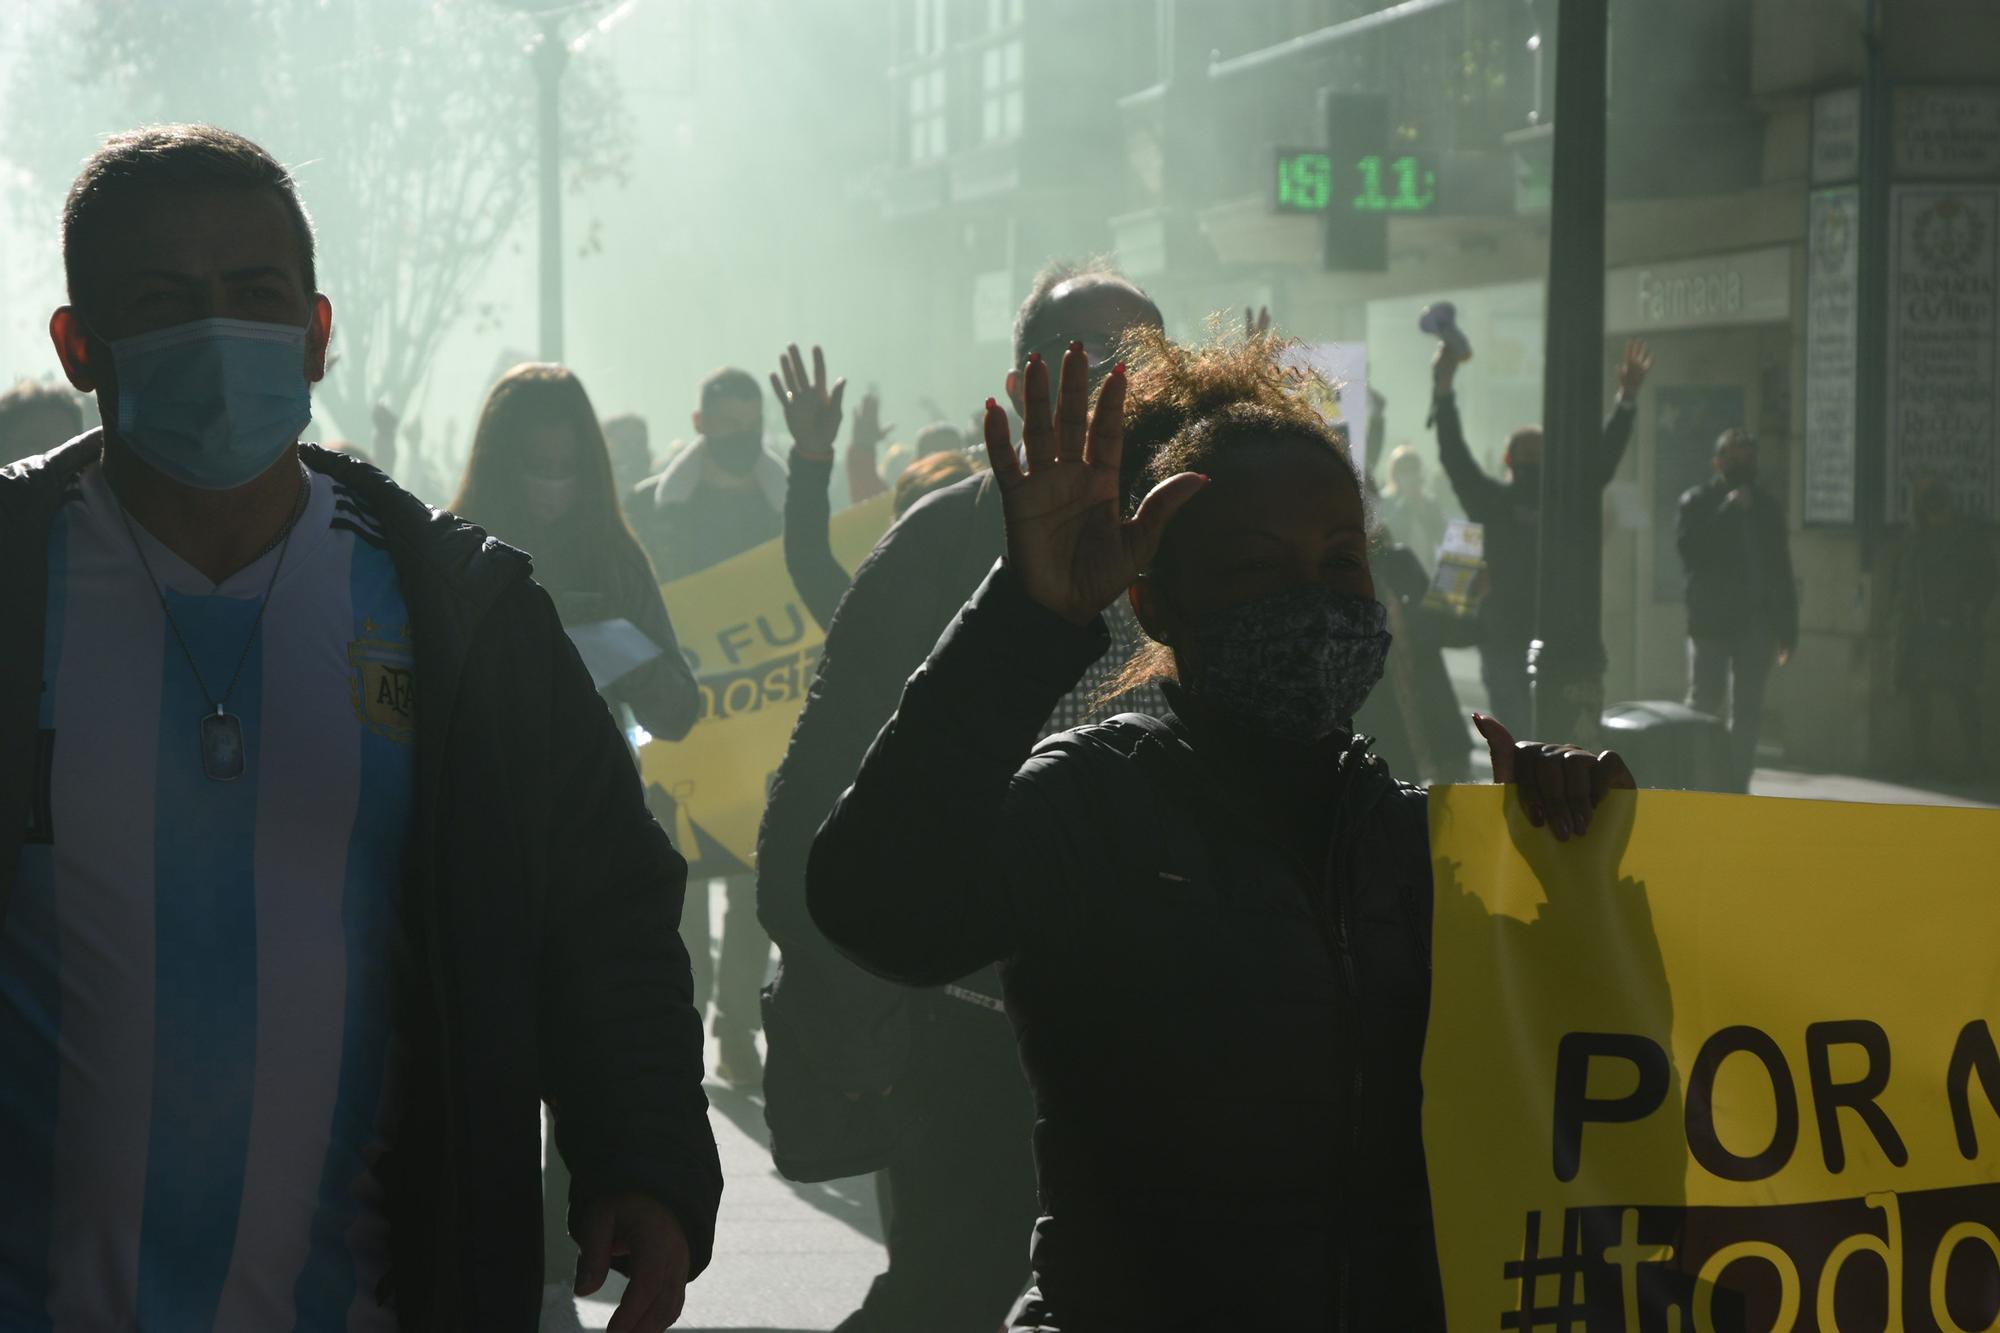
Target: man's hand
<point x="1067" y="542"/>
<point x="1632" y="372"/>
<point x="812" y="411"/>
<point x="1256" y="321"/>
<point x="1444" y="365"/>
<point x="1560" y="784"/>
<point x="639" y="1227"/>
<point x="1784" y="653"/>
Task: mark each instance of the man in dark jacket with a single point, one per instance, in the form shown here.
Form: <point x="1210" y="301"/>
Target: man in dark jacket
<point x="334" y="865"/>
<point x="1509" y="512"/>
<point x="960" y="1174"/>
<point x="719" y="497"/>
<point x="1743" y="610"/>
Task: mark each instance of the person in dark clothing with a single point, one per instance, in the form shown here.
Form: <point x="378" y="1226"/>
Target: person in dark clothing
<point x="724" y="493"/>
<point x="1944" y="584"/>
<point x="812" y="414"/>
<point x="1414" y="717"/>
<point x="630" y="444"/>
<point x="1509" y="511"/>
<point x="839" y="1037"/>
<point x="718" y="498"/>
<point x="415" y="815"/>
<point x="35" y="418"/>
<point x="1236" y="884"/>
<point x="931" y="472"/>
<point x="540" y="477"/>
<point x="1743" y="609"/>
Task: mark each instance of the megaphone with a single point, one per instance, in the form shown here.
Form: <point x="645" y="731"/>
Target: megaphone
<point x="1440" y="320"/>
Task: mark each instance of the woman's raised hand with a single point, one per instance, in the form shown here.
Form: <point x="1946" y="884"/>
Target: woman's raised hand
<point x="1067" y="539"/>
<point x="812" y="411"/>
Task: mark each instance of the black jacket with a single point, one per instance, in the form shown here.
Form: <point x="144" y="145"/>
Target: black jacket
<point x="833" y="1028"/>
<point x="1510" y="514"/>
<point x="540" y="912"/>
<point x="815" y="571"/>
<point x="1738" y="564"/>
<point x="1222" y="1020"/>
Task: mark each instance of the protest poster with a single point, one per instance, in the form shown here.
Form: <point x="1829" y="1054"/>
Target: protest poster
<point x="1722" y="1064"/>
<point x="754" y="649"/>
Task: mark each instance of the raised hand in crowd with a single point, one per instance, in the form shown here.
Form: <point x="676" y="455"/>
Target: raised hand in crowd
<point x="812" y="411"/>
<point x="1444" y="367"/>
<point x="1632" y="372"/>
<point x="1256" y="321"/>
<point x="383" y="446"/>
<point x="868" y="428"/>
<point x="1067" y="541"/>
<point x="1561" y="785"/>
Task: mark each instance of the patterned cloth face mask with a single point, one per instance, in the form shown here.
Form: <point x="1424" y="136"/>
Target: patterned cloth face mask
<point x="1295" y="666"/>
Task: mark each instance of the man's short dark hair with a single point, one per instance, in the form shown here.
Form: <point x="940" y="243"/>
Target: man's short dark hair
<point x="1029" y="320"/>
<point x="729" y="385"/>
<point x="28" y="400"/>
<point x="167" y="157"/>
<point x="1734" y="437"/>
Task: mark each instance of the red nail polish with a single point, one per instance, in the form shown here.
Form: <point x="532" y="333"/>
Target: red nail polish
<point x="1076" y="345"/>
<point x="992" y="405"/>
<point x="1119" y="370"/>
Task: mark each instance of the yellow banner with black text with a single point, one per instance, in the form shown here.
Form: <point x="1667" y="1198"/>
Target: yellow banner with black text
<point x="754" y="650"/>
<point x="1723" y="1064"/>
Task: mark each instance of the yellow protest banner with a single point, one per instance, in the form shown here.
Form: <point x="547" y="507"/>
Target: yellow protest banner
<point x="754" y="649"/>
<point x="1723" y="1064"/>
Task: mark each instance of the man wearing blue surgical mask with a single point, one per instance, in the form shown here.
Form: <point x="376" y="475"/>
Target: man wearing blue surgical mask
<point x="326" y="828"/>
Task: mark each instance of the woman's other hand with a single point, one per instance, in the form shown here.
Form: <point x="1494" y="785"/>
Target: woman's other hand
<point x="812" y="411"/>
<point x="1561" y="785"/>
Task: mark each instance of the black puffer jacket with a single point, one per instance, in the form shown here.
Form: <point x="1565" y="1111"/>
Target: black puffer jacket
<point x="1223" y="1027"/>
<point x="541" y="957"/>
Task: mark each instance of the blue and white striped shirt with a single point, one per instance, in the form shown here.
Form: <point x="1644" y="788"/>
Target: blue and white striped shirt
<point x="195" y="1037"/>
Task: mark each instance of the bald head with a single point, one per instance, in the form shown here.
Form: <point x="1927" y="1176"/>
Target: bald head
<point x="1091" y="306"/>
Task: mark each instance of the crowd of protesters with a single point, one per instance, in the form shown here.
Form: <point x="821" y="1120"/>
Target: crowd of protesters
<point x="1081" y="812"/>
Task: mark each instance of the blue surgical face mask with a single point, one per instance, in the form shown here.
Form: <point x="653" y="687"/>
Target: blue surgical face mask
<point x="212" y="403"/>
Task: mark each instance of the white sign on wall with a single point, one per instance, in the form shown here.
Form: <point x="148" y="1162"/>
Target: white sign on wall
<point x="1947" y="133"/>
<point x="1833" y="234"/>
<point x="1341" y="393"/>
<point x="1750" y="287"/>
<point x="1944" y="344"/>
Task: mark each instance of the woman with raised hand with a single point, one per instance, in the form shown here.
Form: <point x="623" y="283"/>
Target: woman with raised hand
<point x="1213" y="928"/>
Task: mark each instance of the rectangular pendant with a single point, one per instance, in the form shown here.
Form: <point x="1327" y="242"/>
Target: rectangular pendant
<point x="221" y="747"/>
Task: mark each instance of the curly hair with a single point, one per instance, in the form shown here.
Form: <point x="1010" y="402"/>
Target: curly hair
<point x="1187" y="406"/>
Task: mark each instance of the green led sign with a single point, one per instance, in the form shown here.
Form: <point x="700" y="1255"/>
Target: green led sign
<point x="1394" y="185"/>
<point x="1305" y="182"/>
<point x="1308" y="182"/>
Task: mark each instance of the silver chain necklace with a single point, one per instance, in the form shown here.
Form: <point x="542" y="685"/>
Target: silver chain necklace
<point x="222" y="756"/>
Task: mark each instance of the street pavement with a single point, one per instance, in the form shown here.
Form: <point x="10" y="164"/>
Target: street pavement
<point x="787" y="1257"/>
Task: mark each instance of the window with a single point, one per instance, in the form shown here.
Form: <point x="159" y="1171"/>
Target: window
<point x="1000" y="91"/>
<point x="927" y="115"/>
<point x="927" y="31"/>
